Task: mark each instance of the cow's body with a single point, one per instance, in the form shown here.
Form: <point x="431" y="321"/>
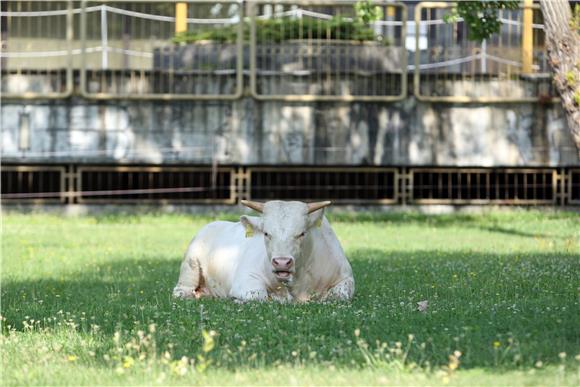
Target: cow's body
<point x="223" y="261"/>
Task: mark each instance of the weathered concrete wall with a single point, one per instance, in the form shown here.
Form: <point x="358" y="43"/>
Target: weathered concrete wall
<point x="253" y="132"/>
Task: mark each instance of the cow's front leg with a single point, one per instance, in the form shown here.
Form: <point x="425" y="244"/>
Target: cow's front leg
<point x="342" y="291"/>
<point x="249" y="291"/>
<point x="189" y="279"/>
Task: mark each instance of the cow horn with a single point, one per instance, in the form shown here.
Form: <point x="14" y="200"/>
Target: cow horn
<point x="317" y="206"/>
<point x="253" y="205"/>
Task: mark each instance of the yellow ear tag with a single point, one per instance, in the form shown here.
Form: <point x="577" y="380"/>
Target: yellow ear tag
<point x="249" y="232"/>
<point x="319" y="222"/>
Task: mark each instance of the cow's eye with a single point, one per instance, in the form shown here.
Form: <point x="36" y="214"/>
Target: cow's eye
<point x="267" y="235"/>
<point x="301" y="235"/>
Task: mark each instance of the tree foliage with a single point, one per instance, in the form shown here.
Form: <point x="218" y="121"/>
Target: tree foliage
<point x="480" y="16"/>
<point x="367" y="13"/>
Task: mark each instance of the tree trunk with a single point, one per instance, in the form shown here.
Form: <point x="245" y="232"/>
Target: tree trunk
<point x="563" y="44"/>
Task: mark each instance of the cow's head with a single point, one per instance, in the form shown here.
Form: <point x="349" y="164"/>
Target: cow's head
<point x="285" y="226"/>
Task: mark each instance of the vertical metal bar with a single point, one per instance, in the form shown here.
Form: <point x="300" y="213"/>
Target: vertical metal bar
<point x="83" y="46"/>
<point x="337" y="57"/>
<point x="29" y="180"/>
<point x="483" y="60"/>
<point x="253" y="71"/>
<point x="468" y="190"/>
<point x="570" y="187"/>
<point x="506" y="179"/>
<point x="509" y="45"/>
<point x="416" y="75"/>
<point x="404" y="54"/>
<point x="496" y="175"/>
<point x="138" y="28"/>
<point x="555" y="178"/>
<point x="19" y="182"/>
<point x="535" y="186"/>
<point x="525" y="186"/>
<point x="104" y="39"/>
<point x="171" y="76"/>
<point x="33" y="32"/>
<point x="150" y="184"/>
<point x="69" y="175"/>
<point x="500" y="38"/>
<point x="69" y="37"/>
<point x="487" y="186"/>
<point x="5" y="26"/>
<point x="449" y="186"/>
<point x="240" y="51"/>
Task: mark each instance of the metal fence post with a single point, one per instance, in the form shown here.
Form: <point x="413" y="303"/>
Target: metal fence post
<point x="527" y="37"/>
<point x="104" y="39"/>
<point x="562" y="189"/>
<point x="180" y="17"/>
<point x="71" y="187"/>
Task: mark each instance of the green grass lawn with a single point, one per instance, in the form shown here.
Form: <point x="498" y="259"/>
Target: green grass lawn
<point x="87" y="300"/>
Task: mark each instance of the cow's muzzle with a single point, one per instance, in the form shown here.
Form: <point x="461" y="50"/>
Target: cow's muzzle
<point x="283" y="267"/>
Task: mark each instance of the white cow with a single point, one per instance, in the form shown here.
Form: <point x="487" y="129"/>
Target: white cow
<point x="290" y="253"/>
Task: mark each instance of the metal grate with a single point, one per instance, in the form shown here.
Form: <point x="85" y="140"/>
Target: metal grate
<point x="322" y="50"/>
<point x="342" y="185"/>
<point x="38" y="184"/>
<point x="574" y="190"/>
<point x="155" y="184"/>
<point x="37" y="49"/>
<point x="483" y="186"/>
<point x="162" y="50"/>
<point x="510" y="66"/>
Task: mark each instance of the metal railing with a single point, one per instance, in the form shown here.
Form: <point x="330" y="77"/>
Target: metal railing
<point x="33" y="184"/>
<point x="131" y="51"/>
<point x="451" y="68"/>
<point x="142" y="184"/>
<point x="483" y="186"/>
<point x="319" y="51"/>
<point x="37" y="49"/>
<point x="110" y="184"/>
<point x="293" y="50"/>
<point x="341" y="185"/>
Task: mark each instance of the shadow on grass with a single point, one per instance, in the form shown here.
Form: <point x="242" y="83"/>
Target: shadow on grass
<point x="487" y="221"/>
<point x="524" y="302"/>
<point x="490" y="222"/>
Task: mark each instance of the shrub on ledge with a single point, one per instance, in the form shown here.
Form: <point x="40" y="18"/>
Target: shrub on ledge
<point x="280" y="30"/>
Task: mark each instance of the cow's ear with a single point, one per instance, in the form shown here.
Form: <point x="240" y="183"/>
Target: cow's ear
<point x="251" y="224"/>
<point x="315" y="218"/>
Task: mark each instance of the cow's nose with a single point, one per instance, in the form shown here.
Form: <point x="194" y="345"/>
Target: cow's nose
<point x="282" y="263"/>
